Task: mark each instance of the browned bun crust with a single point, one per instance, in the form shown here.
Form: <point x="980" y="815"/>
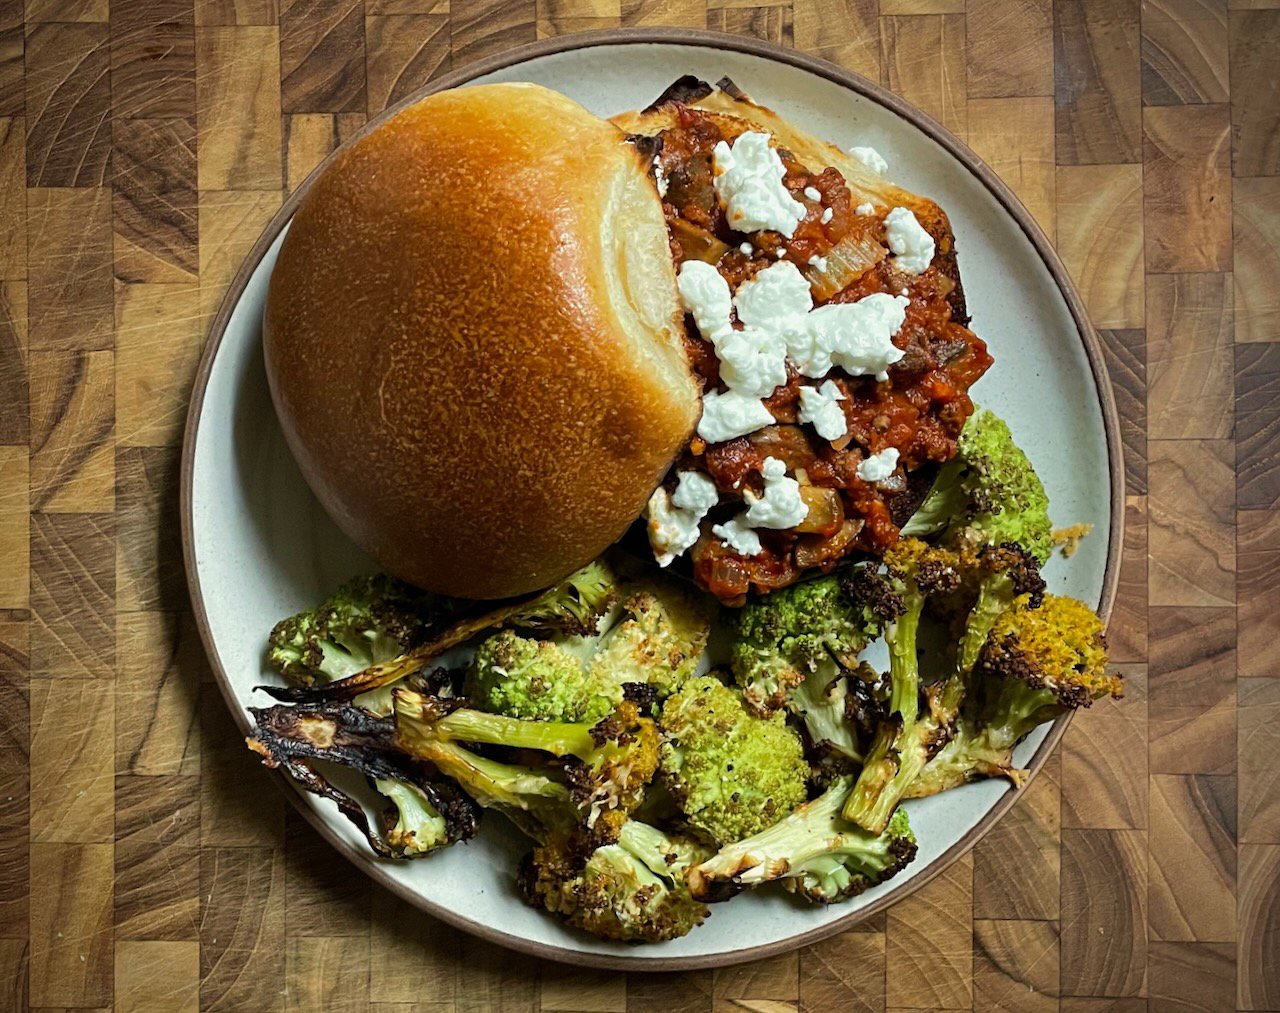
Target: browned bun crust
<point x="472" y="336"/>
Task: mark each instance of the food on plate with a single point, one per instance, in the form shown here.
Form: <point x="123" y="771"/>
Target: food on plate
<point x="472" y="336"/>
<point x="828" y="327"/>
<point x="667" y="737"/>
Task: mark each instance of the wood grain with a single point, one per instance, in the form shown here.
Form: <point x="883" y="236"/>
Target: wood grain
<point x="143" y="146"/>
<point x="1256" y="258"/>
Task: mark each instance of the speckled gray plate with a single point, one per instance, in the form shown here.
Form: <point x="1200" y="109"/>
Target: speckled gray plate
<point x="258" y="546"/>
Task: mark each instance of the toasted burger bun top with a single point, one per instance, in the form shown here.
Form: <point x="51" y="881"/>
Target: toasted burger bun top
<point x="472" y="339"/>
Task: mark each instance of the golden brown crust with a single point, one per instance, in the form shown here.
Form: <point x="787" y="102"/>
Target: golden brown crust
<point x="472" y="338"/>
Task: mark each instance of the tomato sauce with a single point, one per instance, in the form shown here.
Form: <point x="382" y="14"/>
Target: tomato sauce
<point x="919" y="410"/>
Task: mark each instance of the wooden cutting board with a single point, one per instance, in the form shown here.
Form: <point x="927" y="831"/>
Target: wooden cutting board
<point x="147" y="862"/>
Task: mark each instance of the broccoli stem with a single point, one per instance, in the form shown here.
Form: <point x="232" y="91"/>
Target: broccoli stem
<point x="994" y="595"/>
<point x="904" y="667"/>
<point x="558" y="738"/>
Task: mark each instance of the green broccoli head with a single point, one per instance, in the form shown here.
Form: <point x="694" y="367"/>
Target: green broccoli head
<point x="657" y="639"/>
<point x="573" y="606"/>
<point x="629" y="888"/>
<point x="732" y="773"/>
<point x="814" y="851"/>
<point x="367" y="621"/>
<point x="989" y="494"/>
<point x="786" y="636"/>
<point x="539" y="680"/>
<point x="1037" y="664"/>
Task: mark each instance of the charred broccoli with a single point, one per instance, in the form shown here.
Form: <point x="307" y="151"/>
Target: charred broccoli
<point x="573" y="606"/>
<point x="367" y="621"/>
<point x="657" y="637"/>
<point x="541" y="680"/>
<point x="989" y="491"/>
<point x="606" y="765"/>
<point x="814" y="851"/>
<point x="625" y="883"/>
<point x="1036" y="664"/>
<point x="913" y="571"/>
<point x="732" y="773"/>
<point x="415" y="826"/>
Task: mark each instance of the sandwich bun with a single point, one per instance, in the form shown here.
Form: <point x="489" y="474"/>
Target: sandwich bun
<point x="473" y="340"/>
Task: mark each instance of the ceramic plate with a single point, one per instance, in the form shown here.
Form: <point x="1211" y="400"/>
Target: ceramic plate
<point x="258" y="546"/>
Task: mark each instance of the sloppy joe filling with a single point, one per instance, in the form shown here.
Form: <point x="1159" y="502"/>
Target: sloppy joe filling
<point x="918" y="409"/>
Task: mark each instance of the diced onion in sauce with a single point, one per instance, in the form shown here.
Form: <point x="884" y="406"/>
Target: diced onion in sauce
<point x="814" y="550"/>
<point x="848" y="261"/>
<point x="696" y="242"/>
<point x="826" y="512"/>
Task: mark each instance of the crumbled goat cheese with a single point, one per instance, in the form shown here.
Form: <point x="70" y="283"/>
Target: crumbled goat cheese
<point x="813" y="193"/>
<point x="673" y="518"/>
<point x="871" y="158"/>
<point x="659" y="178"/>
<point x="752" y="360"/>
<point x="827" y="214"/>
<point x="820" y="407"/>
<point x="855" y="336"/>
<point x="865" y="209"/>
<point x="914" y="247"/>
<point x="819" y="262"/>
<point x="737" y="534"/>
<point x="706" y="295"/>
<point x="748" y="181"/>
<point x="746" y="248"/>
<point x="878" y="467"/>
<point x="780" y="506"/>
<point x="777" y="299"/>
<point x="779" y="253"/>
<point x="729" y="414"/>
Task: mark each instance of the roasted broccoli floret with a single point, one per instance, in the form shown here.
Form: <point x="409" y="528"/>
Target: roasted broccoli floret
<point x="414" y="826"/>
<point x="367" y="621"/>
<point x="606" y="764"/>
<point x="429" y="812"/>
<point x="989" y="491"/>
<point x="814" y="851"/>
<point x="630" y="886"/>
<point x="541" y="680"/>
<point x="795" y="648"/>
<point x="1036" y="664"/>
<point x="657" y="637"/>
<point x="913" y="571"/>
<point x="572" y="607"/>
<point x="732" y="773"/>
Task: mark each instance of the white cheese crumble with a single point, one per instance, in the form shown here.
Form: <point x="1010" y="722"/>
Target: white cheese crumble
<point x="820" y="407"/>
<point x="871" y="158"/>
<point x="659" y="178"/>
<point x="855" y="336"/>
<point x="729" y="414"/>
<point x="819" y="262"/>
<point x="673" y="518"/>
<point x="706" y="295"/>
<point x="776" y="299"/>
<point x="878" y="467"/>
<point x="779" y="253"/>
<point x="865" y="209"/>
<point x="827" y="214"/>
<point x="746" y="248"/>
<point x="752" y="361"/>
<point x="737" y="534"/>
<point x="907" y="238"/>
<point x="748" y="181"/>
<point x="813" y="193"/>
<point x="780" y="505"/>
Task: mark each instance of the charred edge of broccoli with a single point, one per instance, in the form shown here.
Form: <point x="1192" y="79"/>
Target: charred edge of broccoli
<point x="1020" y="566"/>
<point x="643" y="694"/>
<point x="460" y="813"/>
<point x="292" y="738"/>
<point x="874" y="591"/>
<point x="1002" y="658"/>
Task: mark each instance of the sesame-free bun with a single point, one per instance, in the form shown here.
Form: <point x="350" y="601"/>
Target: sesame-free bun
<point x="472" y="336"/>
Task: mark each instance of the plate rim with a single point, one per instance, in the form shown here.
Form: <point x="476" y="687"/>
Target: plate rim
<point x="837" y="75"/>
